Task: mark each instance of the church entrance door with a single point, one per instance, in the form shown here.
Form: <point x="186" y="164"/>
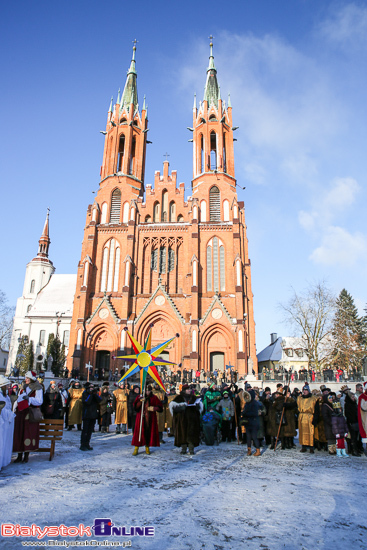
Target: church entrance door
<point x="103" y="364"/>
<point x="216" y="361"/>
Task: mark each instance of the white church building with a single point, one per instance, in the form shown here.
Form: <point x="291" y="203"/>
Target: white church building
<point x="45" y="307"/>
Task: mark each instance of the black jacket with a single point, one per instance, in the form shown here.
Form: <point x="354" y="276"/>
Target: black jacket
<point x="91" y="401"/>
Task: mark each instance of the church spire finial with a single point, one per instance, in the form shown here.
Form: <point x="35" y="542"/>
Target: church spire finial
<point x="211" y="92"/>
<point x="44" y="241"/>
<point x="130" y="94"/>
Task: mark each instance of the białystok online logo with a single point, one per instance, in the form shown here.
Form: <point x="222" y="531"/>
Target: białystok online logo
<point x="103" y="527"/>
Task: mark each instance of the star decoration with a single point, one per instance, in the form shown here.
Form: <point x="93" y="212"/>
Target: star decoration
<point x="146" y="360"/>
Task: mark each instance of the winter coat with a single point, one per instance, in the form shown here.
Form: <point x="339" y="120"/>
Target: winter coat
<point x="339" y="425"/>
<point x="161" y="416"/>
<point x="186" y="410"/>
<point x="211" y="399"/>
<point x="351" y="408"/>
<point x="226" y="408"/>
<point x="319" y="427"/>
<point x="362" y="416"/>
<point x="106" y="403"/>
<point x="306" y="407"/>
<point x="251" y="413"/>
<point x="327" y="412"/>
<point x="91" y="401"/>
<point x="262" y="413"/>
<point x="52" y="404"/>
<point x="288" y="429"/>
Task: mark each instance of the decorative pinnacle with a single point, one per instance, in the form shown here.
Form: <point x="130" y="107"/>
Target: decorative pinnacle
<point x="144" y="107"/>
<point x="229" y="100"/>
<point x="110" y="109"/>
<point x="134" y="48"/>
<point x="211" y="57"/>
<point x="118" y="97"/>
<point x="195" y="100"/>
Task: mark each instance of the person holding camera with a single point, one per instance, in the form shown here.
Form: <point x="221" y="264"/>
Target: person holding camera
<point x="91" y="401"/>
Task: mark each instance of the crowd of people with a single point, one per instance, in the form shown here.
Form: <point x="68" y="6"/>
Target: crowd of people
<point x="193" y="413"/>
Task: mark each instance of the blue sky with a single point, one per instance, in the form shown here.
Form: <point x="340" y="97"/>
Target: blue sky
<point x="296" y="71"/>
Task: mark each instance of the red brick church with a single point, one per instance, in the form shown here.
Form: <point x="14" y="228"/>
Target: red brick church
<point x="150" y="258"/>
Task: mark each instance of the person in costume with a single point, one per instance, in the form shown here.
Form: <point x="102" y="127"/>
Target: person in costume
<point x="120" y="407"/>
<point x="105" y="408"/>
<point x="161" y="416"/>
<point x="52" y="402"/>
<point x="26" y="433"/>
<point x="149" y="433"/>
<point x="306" y="404"/>
<point x="6" y="423"/>
<point x="362" y="414"/>
<point x="186" y="409"/>
<point x="75" y="406"/>
<point x="226" y="408"/>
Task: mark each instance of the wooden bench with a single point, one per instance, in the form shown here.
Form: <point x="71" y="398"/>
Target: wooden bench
<point x="51" y="429"/>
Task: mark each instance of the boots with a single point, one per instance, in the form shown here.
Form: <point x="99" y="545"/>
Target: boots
<point x="272" y="446"/>
<point x="79" y="427"/>
<point x="183" y="449"/>
<point x="304" y="449"/>
<point x="312" y="451"/>
<point x="19" y="458"/>
<point x="102" y="429"/>
<point x="339" y="453"/>
<point x="118" y="429"/>
<point x="136" y="450"/>
<point x="249" y="451"/>
<point x="25" y="459"/>
<point x="258" y="452"/>
<point x="147" y="451"/>
<point x="344" y="453"/>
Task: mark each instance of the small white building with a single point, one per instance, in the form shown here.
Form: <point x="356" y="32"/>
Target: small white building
<point x="45" y="307"/>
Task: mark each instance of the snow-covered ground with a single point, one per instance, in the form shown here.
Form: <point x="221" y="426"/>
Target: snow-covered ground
<point x="217" y="499"/>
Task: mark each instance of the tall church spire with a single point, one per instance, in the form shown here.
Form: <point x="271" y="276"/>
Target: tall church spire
<point x="44" y="241"/>
<point x="211" y="92"/>
<point x="130" y="94"/>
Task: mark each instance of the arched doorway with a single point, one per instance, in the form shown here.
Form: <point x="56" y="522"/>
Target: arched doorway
<point x="103" y="364"/>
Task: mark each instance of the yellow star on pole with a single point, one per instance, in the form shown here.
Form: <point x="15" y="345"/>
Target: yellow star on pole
<point x="146" y="360"/>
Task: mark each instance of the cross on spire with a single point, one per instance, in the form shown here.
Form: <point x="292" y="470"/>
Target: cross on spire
<point x="166" y="155"/>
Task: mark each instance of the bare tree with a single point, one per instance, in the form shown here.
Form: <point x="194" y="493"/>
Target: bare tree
<point x="6" y="321"/>
<point x="311" y="314"/>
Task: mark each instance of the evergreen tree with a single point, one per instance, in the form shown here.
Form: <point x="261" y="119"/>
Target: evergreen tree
<point x="57" y="351"/>
<point x="29" y="356"/>
<point x="348" y="334"/>
<point x="20" y="361"/>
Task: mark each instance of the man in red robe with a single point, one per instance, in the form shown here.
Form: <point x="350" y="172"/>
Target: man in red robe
<point x="149" y="430"/>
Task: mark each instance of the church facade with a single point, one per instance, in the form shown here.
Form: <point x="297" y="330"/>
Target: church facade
<point x="151" y="259"/>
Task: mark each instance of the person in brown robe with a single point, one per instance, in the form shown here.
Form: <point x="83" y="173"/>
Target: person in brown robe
<point x="26" y="433"/>
<point x="120" y="402"/>
<point x="149" y="434"/>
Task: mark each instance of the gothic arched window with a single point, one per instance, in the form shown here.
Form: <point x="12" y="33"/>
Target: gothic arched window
<point x="214" y="204"/>
<point x="164" y="217"/>
<point x="104" y="213"/>
<point x="156" y="212"/>
<point x="33" y="284"/>
<point x="121" y="153"/>
<point x="110" y="266"/>
<point x="213" y="151"/>
<point x="224" y="154"/>
<point x="201" y="154"/>
<point x="215" y="266"/>
<point x="132" y="157"/>
<point x="115" y="206"/>
<point x="172" y="212"/>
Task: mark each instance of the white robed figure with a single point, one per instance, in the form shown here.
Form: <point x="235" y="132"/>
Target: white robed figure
<point x="6" y="424"/>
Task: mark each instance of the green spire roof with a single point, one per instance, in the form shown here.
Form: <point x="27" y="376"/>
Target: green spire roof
<point x="110" y="109"/>
<point x="211" y="92"/>
<point x="130" y="94"/>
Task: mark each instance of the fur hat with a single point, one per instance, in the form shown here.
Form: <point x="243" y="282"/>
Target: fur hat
<point x="185" y="387"/>
<point x="105" y="384"/>
<point x="31" y="375"/>
<point x="4" y="381"/>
